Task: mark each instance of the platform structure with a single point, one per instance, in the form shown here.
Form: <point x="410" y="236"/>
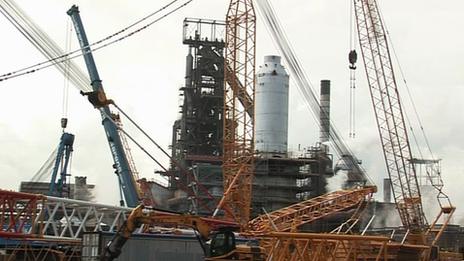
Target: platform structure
<point x="283" y="181"/>
<point x="278" y="183"/>
<point x="198" y="131"/>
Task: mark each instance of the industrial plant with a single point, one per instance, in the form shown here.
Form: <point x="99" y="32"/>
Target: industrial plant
<point x="234" y="188"/>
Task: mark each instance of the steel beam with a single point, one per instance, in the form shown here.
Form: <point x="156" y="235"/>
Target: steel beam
<point x="24" y="215"/>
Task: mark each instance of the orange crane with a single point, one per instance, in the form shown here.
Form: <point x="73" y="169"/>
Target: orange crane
<point x="392" y="127"/>
<point x="279" y="236"/>
<point x="288" y="219"/>
<point x="305" y="246"/>
<point x="238" y="156"/>
<point x="275" y="231"/>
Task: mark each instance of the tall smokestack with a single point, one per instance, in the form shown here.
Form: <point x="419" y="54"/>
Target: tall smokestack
<point x="325" y="111"/>
<point x="188" y="84"/>
<point x="188" y="69"/>
<point x="386" y="190"/>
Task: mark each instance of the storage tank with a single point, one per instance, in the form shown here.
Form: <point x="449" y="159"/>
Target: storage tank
<point x="271" y="107"/>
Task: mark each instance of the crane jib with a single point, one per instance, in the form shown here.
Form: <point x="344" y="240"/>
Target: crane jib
<point x="98" y="99"/>
<point x="389" y="114"/>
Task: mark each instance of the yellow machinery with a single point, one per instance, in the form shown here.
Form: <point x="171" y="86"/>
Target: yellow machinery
<point x="222" y="244"/>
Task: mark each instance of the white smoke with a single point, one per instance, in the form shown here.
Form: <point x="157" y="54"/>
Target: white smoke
<point x="386" y="216"/>
<point x="336" y="182"/>
<point x="430" y="202"/>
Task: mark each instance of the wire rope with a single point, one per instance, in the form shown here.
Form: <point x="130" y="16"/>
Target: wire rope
<point x="71" y="55"/>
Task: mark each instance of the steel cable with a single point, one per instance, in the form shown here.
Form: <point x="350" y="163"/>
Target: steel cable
<point x="138" y="144"/>
<point x="60" y="57"/>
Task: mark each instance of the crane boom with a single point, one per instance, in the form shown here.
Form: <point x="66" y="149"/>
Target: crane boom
<point x="60" y="168"/>
<point x="290" y="218"/>
<point x="239" y="92"/>
<point x="389" y="114"/>
<point x="98" y="99"/>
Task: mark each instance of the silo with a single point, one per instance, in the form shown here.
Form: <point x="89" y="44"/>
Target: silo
<point x="271" y="107"/>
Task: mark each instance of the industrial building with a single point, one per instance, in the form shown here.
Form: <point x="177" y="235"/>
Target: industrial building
<point x="78" y="190"/>
<point x="281" y="177"/>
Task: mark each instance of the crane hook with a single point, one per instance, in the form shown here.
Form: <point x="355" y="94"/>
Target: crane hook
<point x="352" y="58"/>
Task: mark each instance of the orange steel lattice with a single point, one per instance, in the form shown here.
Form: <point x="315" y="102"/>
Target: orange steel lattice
<point x="291" y="217"/>
<point x="238" y="123"/>
<point x="391" y="124"/>
<point x="147" y="196"/>
<point x="330" y="247"/>
<point x="45" y="249"/>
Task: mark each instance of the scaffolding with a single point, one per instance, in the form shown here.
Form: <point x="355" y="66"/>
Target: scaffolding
<point x="280" y="182"/>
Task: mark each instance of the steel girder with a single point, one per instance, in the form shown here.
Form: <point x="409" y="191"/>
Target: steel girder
<point x="24" y="215"/>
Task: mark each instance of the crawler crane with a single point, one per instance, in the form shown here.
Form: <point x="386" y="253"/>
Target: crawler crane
<point x="392" y="129"/>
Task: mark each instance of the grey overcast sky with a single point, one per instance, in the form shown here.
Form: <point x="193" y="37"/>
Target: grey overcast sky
<point x="144" y="72"/>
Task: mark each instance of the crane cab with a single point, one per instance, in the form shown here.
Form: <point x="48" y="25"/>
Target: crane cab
<point x="222" y="243"/>
<point x="223" y="246"/>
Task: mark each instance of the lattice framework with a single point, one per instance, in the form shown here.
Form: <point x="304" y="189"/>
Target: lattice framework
<point x="238" y="123"/>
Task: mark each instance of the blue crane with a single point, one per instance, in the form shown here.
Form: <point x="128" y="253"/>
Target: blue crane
<point x="98" y="99"/>
<point x="58" y="188"/>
